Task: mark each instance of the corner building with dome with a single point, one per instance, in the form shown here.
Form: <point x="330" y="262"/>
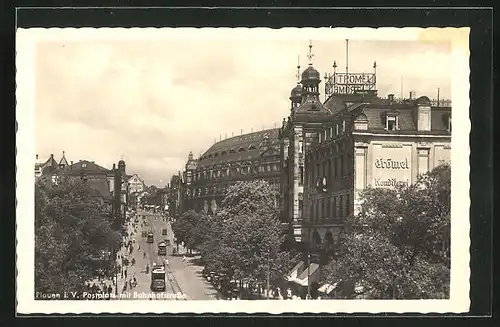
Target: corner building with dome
<point x="332" y="150"/>
<point x="326" y="153"/>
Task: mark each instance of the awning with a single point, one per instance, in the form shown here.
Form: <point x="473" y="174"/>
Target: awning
<point x="327" y="288"/>
<point x="294" y="273"/>
<point x="312" y="271"/>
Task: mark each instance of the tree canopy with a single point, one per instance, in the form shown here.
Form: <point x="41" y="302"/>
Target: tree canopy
<point x="398" y="246"/>
<point x="243" y="239"/>
<point x="73" y="234"/>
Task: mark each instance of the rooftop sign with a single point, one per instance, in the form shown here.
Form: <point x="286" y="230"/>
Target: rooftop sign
<point x="349" y="83"/>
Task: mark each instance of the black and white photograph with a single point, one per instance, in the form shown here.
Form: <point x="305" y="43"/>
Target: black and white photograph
<point x="242" y="170"/>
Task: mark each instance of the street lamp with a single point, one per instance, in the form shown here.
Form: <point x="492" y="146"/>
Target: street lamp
<point x="268" y="272"/>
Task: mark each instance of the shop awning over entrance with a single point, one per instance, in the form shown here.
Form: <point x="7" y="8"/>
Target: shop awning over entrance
<point x="295" y="272"/>
<point x="327" y="288"/>
<point x="312" y="271"/>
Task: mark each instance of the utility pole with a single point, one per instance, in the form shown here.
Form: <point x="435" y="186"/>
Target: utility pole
<point x="268" y="272"/>
<point x="309" y="275"/>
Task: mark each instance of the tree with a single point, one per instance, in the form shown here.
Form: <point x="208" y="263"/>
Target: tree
<point x="244" y="238"/>
<point x="398" y="246"/>
<point x="73" y="235"/>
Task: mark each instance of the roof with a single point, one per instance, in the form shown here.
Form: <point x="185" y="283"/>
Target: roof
<point x="100" y="186"/>
<point x="158" y="269"/>
<point x="242" y="147"/>
<point x="375" y="114"/>
<point x="85" y="167"/>
<point x="310" y="73"/>
<point x="63" y="160"/>
<point x="50" y="165"/>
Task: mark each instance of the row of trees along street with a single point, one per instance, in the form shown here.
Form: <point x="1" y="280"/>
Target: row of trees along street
<point x="73" y="236"/>
<point x="398" y="246"/>
<point x="243" y="240"/>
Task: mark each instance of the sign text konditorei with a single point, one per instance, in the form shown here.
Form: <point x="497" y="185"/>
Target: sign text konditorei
<point x="393" y="168"/>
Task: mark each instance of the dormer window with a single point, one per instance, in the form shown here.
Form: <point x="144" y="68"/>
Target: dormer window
<point x="361" y="122"/>
<point x="84" y="165"/>
<point x="391" y="122"/>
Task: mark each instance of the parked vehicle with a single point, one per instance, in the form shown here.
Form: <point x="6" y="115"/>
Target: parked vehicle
<point x="150" y="237"/>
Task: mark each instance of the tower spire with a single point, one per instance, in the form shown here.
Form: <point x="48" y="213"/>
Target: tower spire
<point x="298" y="69"/>
<point x="310" y="56"/>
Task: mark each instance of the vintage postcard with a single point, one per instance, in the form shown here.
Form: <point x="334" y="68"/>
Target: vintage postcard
<point x="294" y="170"/>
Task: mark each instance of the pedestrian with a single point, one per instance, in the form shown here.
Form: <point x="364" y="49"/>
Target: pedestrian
<point x="125" y="273"/>
<point x="139" y="247"/>
<point x="135" y="281"/>
<point x="183" y="258"/>
<point x="144" y="255"/>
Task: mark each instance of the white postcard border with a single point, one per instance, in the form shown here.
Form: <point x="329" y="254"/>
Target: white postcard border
<point x="26" y="40"/>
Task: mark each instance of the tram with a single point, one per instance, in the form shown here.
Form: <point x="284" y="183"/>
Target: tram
<point x="150" y="237"/>
<point x="162" y="248"/>
<point x="158" y="279"/>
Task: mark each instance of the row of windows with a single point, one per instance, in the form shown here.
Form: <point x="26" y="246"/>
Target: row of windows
<point x="227" y="172"/>
<point x="332" y="207"/>
<point x="333" y="131"/>
<point x="332" y="168"/>
<point x="201" y="191"/>
<point x="223" y="153"/>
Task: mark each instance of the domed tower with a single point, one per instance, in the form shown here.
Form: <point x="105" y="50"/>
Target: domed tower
<point x="310" y="82"/>
<point x="296" y="94"/>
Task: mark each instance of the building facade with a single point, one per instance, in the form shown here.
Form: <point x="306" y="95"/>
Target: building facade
<point x="135" y="184"/>
<point x="333" y="150"/>
<point x="240" y="158"/>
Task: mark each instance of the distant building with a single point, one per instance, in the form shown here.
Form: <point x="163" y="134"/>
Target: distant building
<point x="135" y="184"/>
<point x="240" y="158"/>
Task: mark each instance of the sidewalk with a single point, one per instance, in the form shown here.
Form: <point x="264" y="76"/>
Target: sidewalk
<point x="136" y="270"/>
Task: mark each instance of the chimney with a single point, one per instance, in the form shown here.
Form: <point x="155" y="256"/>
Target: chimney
<point x="36" y="157"/>
<point x="71" y="164"/>
<point x="390" y="97"/>
<point x="114" y="166"/>
<point x="52" y="155"/>
<point x="412" y="95"/>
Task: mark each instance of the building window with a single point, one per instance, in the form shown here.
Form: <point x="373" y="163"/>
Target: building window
<point x="301" y="203"/>
<point x="337" y="207"/>
<point x="348" y="205"/>
<point x="449" y="124"/>
<point x="391" y="123"/>
<point x="301" y="175"/>
<point x="343" y="126"/>
<point x="318" y="213"/>
<point x="336" y="129"/>
<point x="342" y="170"/>
<point x="84" y="165"/>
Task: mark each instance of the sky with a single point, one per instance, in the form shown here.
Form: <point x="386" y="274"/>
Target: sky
<point x="150" y="102"/>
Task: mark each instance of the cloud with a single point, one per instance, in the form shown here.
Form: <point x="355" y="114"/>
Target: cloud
<point x="154" y="101"/>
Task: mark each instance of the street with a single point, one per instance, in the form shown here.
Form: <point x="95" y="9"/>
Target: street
<point x="182" y="280"/>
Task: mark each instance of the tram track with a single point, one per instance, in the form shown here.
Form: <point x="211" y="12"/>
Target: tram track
<point x="154" y="258"/>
